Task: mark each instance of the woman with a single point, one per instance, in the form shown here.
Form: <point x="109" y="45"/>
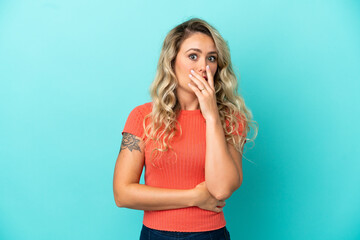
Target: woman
<point x="190" y="138"/>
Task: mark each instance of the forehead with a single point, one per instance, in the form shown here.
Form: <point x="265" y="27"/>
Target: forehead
<point x="200" y="41"/>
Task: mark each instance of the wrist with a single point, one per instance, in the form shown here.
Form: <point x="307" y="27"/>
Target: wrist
<point x="193" y="197"/>
<point x="213" y="120"/>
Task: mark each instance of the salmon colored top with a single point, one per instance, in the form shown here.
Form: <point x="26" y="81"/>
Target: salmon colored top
<point x="182" y="172"/>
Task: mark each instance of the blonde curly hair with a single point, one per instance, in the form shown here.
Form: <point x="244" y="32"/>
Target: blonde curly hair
<point x="165" y="107"/>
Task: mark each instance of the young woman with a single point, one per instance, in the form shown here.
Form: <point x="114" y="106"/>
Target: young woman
<point x="190" y="138"/>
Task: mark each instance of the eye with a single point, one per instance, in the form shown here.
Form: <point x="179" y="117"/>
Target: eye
<point x="190" y="56"/>
<point x="194" y="57"/>
<point x="213" y="58"/>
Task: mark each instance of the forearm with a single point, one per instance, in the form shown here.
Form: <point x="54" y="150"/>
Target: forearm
<point x="221" y="174"/>
<point x="143" y="197"/>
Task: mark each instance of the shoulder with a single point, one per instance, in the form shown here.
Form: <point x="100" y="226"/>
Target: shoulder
<point x="143" y="109"/>
<point x="134" y="122"/>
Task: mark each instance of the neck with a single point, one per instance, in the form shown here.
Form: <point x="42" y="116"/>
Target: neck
<point x="187" y="101"/>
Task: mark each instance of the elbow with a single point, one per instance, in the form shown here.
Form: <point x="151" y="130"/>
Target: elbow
<point x="119" y="199"/>
<point x="118" y="202"/>
<point x="222" y="194"/>
<point x="225" y="194"/>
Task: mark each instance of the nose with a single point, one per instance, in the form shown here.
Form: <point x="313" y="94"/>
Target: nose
<point x="202" y="66"/>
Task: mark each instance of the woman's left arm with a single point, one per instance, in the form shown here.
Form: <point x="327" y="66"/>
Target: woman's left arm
<point x="223" y="167"/>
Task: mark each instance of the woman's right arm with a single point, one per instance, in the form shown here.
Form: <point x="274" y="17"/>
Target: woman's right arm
<point x="129" y="193"/>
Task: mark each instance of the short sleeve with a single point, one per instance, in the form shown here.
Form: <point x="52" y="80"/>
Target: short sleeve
<point x="134" y="123"/>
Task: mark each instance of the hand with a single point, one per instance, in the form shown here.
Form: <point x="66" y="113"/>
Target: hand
<point x="205" y="93"/>
<point x="206" y="201"/>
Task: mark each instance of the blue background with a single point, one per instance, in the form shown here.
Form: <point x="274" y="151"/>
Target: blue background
<point x="71" y="72"/>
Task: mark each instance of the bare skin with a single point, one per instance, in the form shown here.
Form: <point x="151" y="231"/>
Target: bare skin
<point x="130" y="142"/>
<point x="195" y="53"/>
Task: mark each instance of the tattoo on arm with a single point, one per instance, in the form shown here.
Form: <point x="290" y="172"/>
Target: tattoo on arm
<point x="130" y="141"/>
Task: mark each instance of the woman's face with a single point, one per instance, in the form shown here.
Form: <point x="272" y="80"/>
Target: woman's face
<point x="195" y="53"/>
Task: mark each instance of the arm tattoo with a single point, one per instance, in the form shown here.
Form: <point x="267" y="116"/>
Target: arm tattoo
<point x="130" y="141"/>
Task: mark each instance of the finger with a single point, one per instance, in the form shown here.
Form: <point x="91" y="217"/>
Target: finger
<point x="210" y="77"/>
<point x="196" y="81"/>
<point x="201" y="79"/>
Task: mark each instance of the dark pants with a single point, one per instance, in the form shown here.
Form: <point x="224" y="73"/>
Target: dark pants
<point x="153" y="234"/>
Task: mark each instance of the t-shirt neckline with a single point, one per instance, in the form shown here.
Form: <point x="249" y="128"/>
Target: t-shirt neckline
<point x="190" y="112"/>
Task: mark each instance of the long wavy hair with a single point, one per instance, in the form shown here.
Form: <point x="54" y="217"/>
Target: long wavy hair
<point x="165" y="107"/>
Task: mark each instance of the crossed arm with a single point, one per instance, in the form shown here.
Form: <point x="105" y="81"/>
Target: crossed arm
<point x="129" y="166"/>
<point x="127" y="173"/>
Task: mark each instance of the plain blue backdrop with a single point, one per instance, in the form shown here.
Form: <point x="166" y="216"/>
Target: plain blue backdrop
<point x="71" y="72"/>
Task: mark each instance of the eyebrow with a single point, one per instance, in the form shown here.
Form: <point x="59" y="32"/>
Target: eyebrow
<point x="198" y="50"/>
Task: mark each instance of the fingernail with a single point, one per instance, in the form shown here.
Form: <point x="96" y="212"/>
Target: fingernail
<point x="192" y="71"/>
